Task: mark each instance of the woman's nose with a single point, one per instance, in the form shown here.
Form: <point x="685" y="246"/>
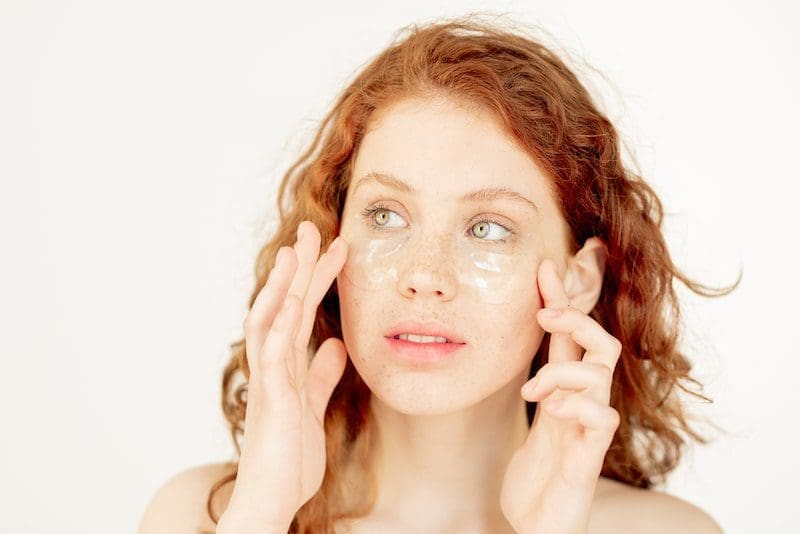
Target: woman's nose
<point x="423" y="284"/>
<point x="429" y="273"/>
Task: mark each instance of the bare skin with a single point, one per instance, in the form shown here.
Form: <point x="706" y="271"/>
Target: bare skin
<point x="454" y="429"/>
<point x="447" y="438"/>
<point x="180" y="507"/>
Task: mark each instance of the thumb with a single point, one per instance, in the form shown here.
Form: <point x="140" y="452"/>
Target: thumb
<point x="324" y="372"/>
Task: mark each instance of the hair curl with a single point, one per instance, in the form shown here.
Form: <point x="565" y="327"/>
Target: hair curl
<point x="545" y="108"/>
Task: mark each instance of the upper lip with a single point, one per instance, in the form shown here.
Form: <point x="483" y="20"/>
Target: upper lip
<point x="429" y="328"/>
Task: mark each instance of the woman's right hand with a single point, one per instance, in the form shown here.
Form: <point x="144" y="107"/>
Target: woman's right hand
<point x="282" y="461"/>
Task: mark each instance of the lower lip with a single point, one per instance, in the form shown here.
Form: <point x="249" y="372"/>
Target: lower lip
<point x="423" y="352"/>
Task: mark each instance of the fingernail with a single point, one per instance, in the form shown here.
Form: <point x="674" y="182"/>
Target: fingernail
<point x="300" y="232"/>
<point x="551" y="312"/>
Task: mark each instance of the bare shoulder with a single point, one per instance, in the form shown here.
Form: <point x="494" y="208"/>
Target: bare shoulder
<point x="619" y="507"/>
<point x="180" y="504"/>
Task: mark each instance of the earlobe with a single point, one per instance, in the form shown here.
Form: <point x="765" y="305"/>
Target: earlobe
<point x="583" y="278"/>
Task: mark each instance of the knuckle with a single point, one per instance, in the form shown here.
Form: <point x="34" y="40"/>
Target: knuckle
<point x="603" y="371"/>
<point x="608" y="374"/>
<point x="544" y="370"/>
<point x="292" y="299"/>
<point x="613" y="418"/>
<point x="617" y="345"/>
<point x="286" y="315"/>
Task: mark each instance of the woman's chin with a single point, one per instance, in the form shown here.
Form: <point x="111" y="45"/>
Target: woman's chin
<point x="417" y="403"/>
<point x="415" y="395"/>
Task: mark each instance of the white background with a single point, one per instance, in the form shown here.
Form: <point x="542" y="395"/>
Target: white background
<point x="141" y="145"/>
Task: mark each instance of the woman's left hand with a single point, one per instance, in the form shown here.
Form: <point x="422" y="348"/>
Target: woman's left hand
<point x="550" y="481"/>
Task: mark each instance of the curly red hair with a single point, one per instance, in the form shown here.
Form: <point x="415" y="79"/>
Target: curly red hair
<point x="544" y="107"/>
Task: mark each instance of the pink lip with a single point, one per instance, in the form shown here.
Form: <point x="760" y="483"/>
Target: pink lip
<point x="430" y="328"/>
<point x="423" y="352"/>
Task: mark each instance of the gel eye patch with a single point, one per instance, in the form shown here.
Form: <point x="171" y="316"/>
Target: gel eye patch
<point x="378" y="259"/>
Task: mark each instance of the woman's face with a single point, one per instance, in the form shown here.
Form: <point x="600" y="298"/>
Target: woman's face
<point x="419" y="251"/>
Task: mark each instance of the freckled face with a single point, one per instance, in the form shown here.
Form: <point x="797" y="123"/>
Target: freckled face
<point x="424" y="252"/>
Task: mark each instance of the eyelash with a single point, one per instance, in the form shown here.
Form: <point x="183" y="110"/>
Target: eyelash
<point x="367" y="213"/>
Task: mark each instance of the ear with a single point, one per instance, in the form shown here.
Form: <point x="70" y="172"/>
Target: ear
<point x="583" y="278"/>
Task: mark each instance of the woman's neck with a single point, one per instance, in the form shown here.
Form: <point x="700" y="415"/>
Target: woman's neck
<point x="439" y="471"/>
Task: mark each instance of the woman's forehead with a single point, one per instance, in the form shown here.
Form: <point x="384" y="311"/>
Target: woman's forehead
<point x="419" y="148"/>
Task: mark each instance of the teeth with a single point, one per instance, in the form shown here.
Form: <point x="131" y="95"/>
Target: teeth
<point x="422" y="339"/>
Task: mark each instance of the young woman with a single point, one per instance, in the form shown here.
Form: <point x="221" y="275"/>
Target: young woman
<point x="488" y="341"/>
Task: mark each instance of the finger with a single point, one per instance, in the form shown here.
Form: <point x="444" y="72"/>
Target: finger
<point x="593" y="379"/>
<point x="307" y="250"/>
<point x="274" y="358"/>
<point x="325" y="271"/>
<point x="599" y="420"/>
<point x="561" y="348"/>
<point x="267" y="303"/>
<point x="324" y="373"/>
<point x="601" y="347"/>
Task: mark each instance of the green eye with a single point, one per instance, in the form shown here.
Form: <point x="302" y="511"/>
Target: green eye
<point x="483" y="226"/>
<point x="379" y="215"/>
<point x="380" y="212"/>
<point x="382" y="219"/>
<point x="484" y="229"/>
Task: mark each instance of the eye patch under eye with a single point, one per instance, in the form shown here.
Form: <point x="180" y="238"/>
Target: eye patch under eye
<point x="378" y="259"/>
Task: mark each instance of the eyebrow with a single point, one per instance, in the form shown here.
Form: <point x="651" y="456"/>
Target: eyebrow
<point x="486" y="193"/>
